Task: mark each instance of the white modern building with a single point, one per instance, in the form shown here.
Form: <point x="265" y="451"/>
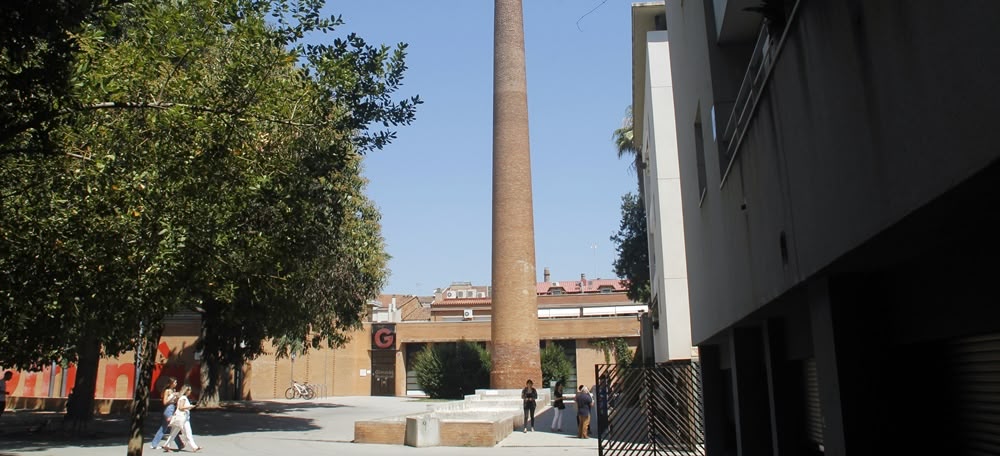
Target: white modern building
<point x="655" y="134"/>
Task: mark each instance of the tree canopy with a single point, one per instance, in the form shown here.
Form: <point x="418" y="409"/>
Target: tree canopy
<point x="632" y="246"/>
<point x="202" y="155"/>
<point x="209" y="156"/>
<point x="555" y="365"/>
<point x="453" y="370"/>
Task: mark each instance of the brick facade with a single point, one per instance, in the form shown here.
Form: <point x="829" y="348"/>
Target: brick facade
<point x="335" y="372"/>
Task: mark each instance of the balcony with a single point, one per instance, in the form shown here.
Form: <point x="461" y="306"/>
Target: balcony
<point x="765" y="53"/>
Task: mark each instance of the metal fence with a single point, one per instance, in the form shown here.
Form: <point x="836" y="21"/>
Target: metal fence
<point x="650" y="410"/>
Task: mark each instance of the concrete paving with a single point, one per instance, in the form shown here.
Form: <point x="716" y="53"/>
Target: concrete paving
<point x="320" y="426"/>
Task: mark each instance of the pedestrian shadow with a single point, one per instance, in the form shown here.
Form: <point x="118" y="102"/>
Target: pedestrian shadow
<point x="32" y="433"/>
<point x="543" y="421"/>
<point x="270" y="407"/>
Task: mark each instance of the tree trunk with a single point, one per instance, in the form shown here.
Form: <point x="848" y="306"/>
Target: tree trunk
<point x="210" y="381"/>
<point x="80" y="405"/>
<point x="140" y="399"/>
<point x="208" y="397"/>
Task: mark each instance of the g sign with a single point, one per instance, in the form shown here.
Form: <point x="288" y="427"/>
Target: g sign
<point x="383" y="337"/>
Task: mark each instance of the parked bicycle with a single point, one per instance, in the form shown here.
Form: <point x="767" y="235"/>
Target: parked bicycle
<point x="302" y="390"/>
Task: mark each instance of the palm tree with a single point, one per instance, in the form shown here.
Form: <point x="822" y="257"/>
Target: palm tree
<point x="625" y="144"/>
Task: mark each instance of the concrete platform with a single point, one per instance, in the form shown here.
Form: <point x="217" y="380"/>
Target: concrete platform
<point x="483" y="419"/>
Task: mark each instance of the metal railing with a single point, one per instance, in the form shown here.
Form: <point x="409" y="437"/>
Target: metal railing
<point x="650" y="410"/>
<point x="765" y="53"/>
<point x="746" y="99"/>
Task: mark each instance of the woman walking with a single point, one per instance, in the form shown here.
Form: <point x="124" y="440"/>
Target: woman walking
<point x="169" y="399"/>
<point x="179" y="423"/>
<point x="560" y="407"/>
<point x="583" y="403"/>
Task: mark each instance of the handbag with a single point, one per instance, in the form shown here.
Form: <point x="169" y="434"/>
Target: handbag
<point x="178" y="419"/>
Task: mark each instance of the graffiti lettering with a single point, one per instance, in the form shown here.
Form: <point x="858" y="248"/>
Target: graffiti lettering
<point x="36" y="384"/>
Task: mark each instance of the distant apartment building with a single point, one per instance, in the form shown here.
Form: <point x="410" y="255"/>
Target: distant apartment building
<point x="838" y="176"/>
<point x="572" y="314"/>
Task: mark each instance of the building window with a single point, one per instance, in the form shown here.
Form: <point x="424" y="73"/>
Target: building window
<point x="606" y="290"/>
<point x="699" y="150"/>
<point x="556" y="291"/>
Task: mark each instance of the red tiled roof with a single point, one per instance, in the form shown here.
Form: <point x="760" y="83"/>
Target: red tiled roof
<point x="570" y="288"/>
<point x="573" y="286"/>
<point x="548" y="301"/>
<point x="417" y="313"/>
<point x="464" y="302"/>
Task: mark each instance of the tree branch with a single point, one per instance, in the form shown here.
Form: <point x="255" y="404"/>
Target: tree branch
<point x="199" y="108"/>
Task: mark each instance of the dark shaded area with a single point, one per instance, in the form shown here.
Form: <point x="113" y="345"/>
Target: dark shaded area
<point x="26" y="432"/>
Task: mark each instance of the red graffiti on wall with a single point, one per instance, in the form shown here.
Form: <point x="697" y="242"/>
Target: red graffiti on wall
<point x="37" y="384"/>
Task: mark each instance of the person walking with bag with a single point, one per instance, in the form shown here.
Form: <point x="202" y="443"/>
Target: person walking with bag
<point x="180" y="423"/>
<point x="559" y="406"/>
<point x="169" y="399"/>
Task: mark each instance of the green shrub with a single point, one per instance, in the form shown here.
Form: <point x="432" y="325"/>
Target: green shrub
<point x="617" y="347"/>
<point x="452" y="370"/>
<point x="555" y="365"/>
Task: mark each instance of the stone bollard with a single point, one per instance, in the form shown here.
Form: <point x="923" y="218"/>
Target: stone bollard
<point x="422" y="431"/>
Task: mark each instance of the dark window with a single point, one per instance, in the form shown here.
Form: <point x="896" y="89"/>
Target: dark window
<point x="699" y="150"/>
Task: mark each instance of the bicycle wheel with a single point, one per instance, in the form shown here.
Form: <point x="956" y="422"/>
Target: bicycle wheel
<point x="308" y="393"/>
<point x="290" y="393"/>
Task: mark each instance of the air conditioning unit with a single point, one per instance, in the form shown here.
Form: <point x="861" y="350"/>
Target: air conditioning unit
<point x="467" y="314"/>
<point x="482" y="294"/>
<point x="450" y="294"/>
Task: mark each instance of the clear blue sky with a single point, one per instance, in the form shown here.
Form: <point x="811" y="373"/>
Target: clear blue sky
<point x="433" y="184"/>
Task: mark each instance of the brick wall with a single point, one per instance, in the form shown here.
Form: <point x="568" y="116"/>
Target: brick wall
<point x="115" y="375"/>
<point x="337" y="372"/>
<point x="472" y="433"/>
<point x="381" y="432"/>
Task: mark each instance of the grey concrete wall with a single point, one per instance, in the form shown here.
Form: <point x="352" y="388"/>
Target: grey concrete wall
<point x="873" y="110"/>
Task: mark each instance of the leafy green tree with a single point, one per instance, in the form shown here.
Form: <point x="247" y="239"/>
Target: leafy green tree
<point x="555" y="365"/>
<point x="38" y="50"/>
<point x="616" y="347"/>
<point x="209" y="160"/>
<point x="632" y="245"/>
<point x="453" y="370"/>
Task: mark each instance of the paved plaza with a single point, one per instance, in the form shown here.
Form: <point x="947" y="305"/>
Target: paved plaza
<point x="322" y="426"/>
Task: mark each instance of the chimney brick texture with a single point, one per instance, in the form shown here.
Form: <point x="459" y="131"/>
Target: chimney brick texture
<point x="515" y="308"/>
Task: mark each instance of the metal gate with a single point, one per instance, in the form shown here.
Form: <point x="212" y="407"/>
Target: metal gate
<point x="649" y="410"/>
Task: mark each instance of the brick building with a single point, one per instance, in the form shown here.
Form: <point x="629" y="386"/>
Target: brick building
<point x="377" y="359"/>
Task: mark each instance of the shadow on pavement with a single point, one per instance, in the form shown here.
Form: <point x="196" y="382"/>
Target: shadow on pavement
<point x="27" y="432"/>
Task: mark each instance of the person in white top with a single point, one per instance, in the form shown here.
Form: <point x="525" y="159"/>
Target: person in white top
<point x="558" y="406"/>
<point x="180" y="423"/>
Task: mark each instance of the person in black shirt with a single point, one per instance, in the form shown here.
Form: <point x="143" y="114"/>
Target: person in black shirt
<point x="529" y="395"/>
